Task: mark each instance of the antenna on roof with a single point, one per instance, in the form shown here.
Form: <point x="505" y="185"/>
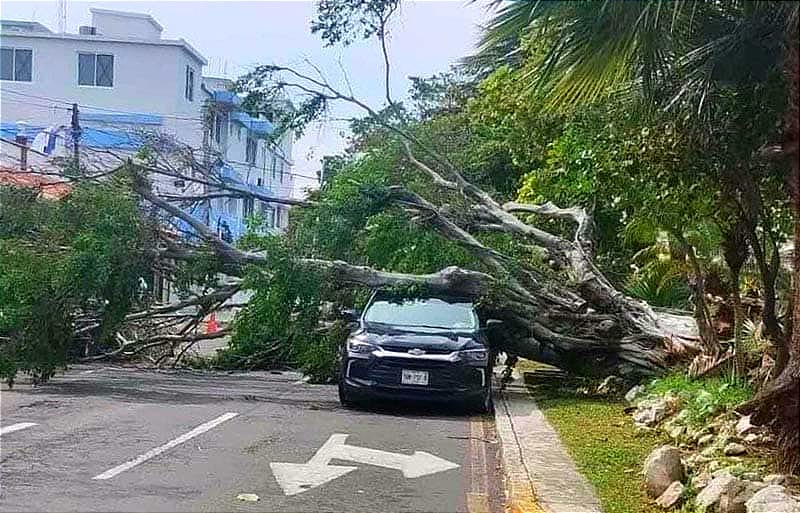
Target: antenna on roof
<point x="62" y="16"/>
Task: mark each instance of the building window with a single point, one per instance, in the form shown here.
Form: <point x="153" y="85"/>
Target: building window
<point x="282" y="171"/>
<point x="16" y="64"/>
<point x="248" y="207"/>
<point x="219" y="124"/>
<point x="188" y="90"/>
<point x="96" y="69"/>
<point x="250" y="151"/>
<point x="268" y="213"/>
<point x="274" y="166"/>
<point x="232" y="207"/>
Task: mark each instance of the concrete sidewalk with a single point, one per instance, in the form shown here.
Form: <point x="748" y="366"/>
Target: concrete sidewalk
<point x="540" y="475"/>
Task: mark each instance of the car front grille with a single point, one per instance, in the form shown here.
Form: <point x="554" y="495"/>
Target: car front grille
<point x="441" y="375"/>
<point x="401" y="349"/>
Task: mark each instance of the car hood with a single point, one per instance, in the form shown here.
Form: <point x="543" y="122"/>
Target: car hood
<point x="427" y="340"/>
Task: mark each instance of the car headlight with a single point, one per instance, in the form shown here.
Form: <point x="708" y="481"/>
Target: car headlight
<point x="475" y="355"/>
<point x="359" y="347"/>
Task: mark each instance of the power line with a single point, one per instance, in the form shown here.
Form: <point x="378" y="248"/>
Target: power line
<point x="115" y="111"/>
<point x="46" y="98"/>
<point x="291" y="173"/>
<point x="25" y="102"/>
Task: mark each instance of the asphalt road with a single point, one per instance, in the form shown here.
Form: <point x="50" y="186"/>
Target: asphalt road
<point x="105" y="438"/>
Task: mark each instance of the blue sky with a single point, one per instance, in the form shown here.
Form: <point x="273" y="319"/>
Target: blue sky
<point x="426" y="37"/>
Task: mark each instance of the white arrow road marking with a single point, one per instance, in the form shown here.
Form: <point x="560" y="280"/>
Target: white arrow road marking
<point x="16" y="427"/>
<point x="296" y="478"/>
<point x="199" y="430"/>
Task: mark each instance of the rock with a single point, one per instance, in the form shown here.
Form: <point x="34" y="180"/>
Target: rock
<point x="734" y="449"/>
<point x="662" y="468"/>
<point x="698" y="433"/>
<point x="705" y="439"/>
<point x="744" y="427"/>
<point x="610" y="385"/>
<point x="651" y="413"/>
<point x="634" y="393"/>
<point x="751" y="476"/>
<point x="772" y="499"/>
<point x="775" y="479"/>
<point x="247" y="497"/>
<point x="676" y="432"/>
<point x="671" y="496"/>
<point x="759" y="438"/>
<point x="695" y="460"/>
<point x="725" y="494"/>
<point x="701" y="480"/>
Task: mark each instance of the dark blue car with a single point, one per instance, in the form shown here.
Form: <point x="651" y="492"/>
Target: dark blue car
<point x="429" y="348"/>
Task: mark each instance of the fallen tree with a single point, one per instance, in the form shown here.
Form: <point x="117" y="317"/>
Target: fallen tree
<point x="573" y="318"/>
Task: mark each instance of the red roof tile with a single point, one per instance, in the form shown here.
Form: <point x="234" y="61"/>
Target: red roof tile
<point x="49" y="187"/>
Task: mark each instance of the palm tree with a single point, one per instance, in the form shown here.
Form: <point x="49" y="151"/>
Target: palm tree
<point x="677" y="52"/>
<point x="677" y="55"/>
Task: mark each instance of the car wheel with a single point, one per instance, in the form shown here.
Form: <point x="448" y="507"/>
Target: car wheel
<point x="345" y="398"/>
<point x="483" y="405"/>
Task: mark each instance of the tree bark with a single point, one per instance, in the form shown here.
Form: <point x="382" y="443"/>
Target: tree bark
<point x="778" y="404"/>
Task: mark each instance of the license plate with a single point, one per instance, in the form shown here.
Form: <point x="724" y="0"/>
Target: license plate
<point x="413" y="377"/>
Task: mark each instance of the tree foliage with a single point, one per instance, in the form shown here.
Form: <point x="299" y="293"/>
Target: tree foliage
<point x="86" y="254"/>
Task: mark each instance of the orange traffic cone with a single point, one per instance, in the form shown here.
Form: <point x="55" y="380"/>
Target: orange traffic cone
<point x="211" y="324"/>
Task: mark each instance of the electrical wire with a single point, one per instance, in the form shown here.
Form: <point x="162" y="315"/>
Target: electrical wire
<point x="127" y="133"/>
<point x="21" y="102"/>
<point x="105" y="109"/>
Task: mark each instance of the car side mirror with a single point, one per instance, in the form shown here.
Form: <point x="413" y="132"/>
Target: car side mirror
<point x="351" y="314"/>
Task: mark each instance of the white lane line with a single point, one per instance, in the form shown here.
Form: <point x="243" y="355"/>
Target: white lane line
<point x="199" y="430"/>
<point x="16" y="427"/>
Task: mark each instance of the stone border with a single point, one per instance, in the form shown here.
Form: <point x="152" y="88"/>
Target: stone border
<point x="540" y="475"/>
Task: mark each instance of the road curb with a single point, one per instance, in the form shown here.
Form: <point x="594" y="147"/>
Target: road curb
<point x="540" y="476"/>
<point x="519" y="489"/>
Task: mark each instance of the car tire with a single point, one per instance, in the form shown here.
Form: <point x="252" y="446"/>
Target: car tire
<point x="345" y="398"/>
<point x="484" y="405"/>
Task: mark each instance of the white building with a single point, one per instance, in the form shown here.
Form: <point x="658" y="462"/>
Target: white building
<point x="250" y="156"/>
<point x="125" y="78"/>
<point x="119" y="65"/>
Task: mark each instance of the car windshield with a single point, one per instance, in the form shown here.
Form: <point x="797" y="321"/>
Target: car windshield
<point x="427" y="313"/>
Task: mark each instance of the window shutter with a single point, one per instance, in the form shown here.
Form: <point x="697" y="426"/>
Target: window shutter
<point x="7" y="63"/>
<point x="105" y="70"/>
<point x="86" y="68"/>
<point x="23" y="65"/>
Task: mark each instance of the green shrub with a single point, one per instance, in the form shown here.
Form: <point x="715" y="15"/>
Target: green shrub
<point x="703" y="398"/>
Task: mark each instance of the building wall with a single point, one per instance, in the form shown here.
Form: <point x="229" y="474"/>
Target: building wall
<point x="148" y="78"/>
<point x="135" y="25"/>
<point x="231" y="145"/>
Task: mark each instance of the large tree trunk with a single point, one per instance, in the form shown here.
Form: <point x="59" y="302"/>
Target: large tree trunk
<point x="778" y="404"/>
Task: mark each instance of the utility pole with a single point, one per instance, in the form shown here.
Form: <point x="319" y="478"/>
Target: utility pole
<point x="22" y="142"/>
<point x="76" y="138"/>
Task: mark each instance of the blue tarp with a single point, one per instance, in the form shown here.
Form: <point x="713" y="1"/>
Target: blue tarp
<point x="90" y="137"/>
<point x="228" y="97"/>
<point x="122" y="118"/>
<point x="110" y="139"/>
<point x="260" y="127"/>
